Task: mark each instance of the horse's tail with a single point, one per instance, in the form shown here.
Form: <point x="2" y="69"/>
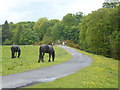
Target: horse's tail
<point x="53" y="55"/>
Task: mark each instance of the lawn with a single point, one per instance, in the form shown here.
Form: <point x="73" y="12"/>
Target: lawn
<point x="29" y="59"/>
<point x="102" y="73"/>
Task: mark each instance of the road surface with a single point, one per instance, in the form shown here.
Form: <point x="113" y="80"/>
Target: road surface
<point x="46" y="74"/>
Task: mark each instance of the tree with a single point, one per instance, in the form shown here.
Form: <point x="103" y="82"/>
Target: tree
<point x="71" y="30"/>
<point x="18" y="34"/>
<point x="57" y="31"/>
<point x="47" y="38"/>
<point x="69" y="19"/>
<point x="97" y="31"/>
<point x="79" y="16"/>
<point x="109" y="4"/>
<point x="6" y="33"/>
<point x="40" y="27"/>
<point x="28" y="37"/>
<point x="115" y="44"/>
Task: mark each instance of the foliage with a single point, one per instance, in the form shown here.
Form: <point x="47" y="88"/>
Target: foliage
<point x="47" y="30"/>
<point x="71" y="44"/>
<point x="47" y="38"/>
<point x="69" y="20"/>
<point x="103" y="73"/>
<point x="29" y="59"/>
<point x="109" y="4"/>
<point x="67" y="29"/>
<point x="96" y="37"/>
<point x="26" y="25"/>
<point x="6" y="33"/>
<point x="18" y="34"/>
<point x="28" y="37"/>
<point x="39" y="43"/>
<point x="7" y="42"/>
<point x="57" y="31"/>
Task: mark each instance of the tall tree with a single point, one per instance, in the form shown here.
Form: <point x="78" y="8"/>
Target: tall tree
<point x="79" y="16"/>
<point x="109" y="4"/>
<point x="69" y="19"/>
<point x="18" y="34"/>
<point x="6" y="33"/>
<point x="71" y="30"/>
<point x="40" y="27"/>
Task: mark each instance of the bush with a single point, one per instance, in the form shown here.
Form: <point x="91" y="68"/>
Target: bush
<point x="39" y="43"/>
<point x="71" y="44"/>
<point x="7" y="42"/>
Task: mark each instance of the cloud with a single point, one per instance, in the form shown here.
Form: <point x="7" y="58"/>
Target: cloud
<point x="85" y="6"/>
<point x="32" y="10"/>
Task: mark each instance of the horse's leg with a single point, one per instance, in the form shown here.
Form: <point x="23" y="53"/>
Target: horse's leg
<point x="13" y="54"/>
<point x="19" y="53"/>
<point x="43" y="57"/>
<point x="53" y="56"/>
<point x="40" y="57"/>
<point x="49" y="57"/>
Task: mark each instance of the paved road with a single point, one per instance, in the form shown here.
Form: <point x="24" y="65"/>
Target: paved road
<point x="46" y="74"/>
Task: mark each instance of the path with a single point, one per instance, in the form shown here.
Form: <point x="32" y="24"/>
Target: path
<point x="46" y="74"/>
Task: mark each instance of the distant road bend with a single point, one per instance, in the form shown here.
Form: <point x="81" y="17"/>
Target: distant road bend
<point x="46" y="74"/>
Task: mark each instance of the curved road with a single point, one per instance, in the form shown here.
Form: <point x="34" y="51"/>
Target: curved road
<point x="46" y="74"/>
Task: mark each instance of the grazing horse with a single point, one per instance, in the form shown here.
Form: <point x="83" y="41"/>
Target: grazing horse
<point x="46" y="49"/>
<point x="15" y="49"/>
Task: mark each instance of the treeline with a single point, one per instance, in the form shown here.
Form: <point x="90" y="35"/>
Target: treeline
<point x="97" y="32"/>
<point x="42" y="30"/>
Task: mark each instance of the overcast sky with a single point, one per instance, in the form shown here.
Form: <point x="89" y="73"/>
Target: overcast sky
<point x="32" y="10"/>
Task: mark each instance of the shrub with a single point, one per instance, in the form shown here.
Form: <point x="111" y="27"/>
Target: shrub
<point x="39" y="43"/>
<point x="71" y="44"/>
<point x="7" y="42"/>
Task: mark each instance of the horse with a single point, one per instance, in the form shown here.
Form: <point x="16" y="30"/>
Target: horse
<point x="15" y="49"/>
<point x="46" y="49"/>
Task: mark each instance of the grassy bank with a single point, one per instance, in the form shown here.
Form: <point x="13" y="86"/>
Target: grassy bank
<point x="29" y="59"/>
<point x="102" y="73"/>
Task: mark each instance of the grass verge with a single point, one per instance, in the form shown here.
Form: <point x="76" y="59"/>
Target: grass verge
<point x="29" y="59"/>
<point x="102" y="73"/>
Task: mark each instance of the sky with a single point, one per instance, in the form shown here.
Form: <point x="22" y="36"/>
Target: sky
<point x="31" y="10"/>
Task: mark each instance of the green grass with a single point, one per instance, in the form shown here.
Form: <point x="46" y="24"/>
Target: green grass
<point x="102" y="73"/>
<point x="29" y="59"/>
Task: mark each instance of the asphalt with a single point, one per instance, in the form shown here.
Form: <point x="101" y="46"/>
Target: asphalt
<point x="46" y="74"/>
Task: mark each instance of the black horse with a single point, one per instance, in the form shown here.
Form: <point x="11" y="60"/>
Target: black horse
<point x="46" y="49"/>
<point x="15" y="49"/>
